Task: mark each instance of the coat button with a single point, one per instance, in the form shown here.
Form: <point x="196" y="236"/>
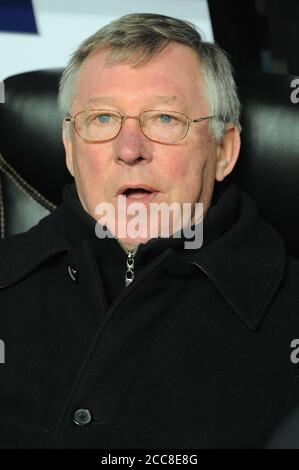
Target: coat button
<point x="82" y="417"/>
<point x="73" y="273"/>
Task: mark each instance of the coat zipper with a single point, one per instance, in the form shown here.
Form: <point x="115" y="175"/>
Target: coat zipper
<point x="130" y="273"/>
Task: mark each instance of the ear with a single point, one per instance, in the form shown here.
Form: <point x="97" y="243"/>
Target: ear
<point x="227" y="152"/>
<point x="68" y="146"/>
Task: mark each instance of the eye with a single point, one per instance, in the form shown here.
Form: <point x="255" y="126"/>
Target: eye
<point x="104" y="118"/>
<point x="166" y="118"/>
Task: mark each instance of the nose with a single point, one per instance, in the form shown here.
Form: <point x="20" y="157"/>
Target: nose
<point x="131" y="146"/>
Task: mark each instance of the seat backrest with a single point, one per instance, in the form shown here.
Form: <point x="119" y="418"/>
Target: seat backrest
<point x="268" y="166"/>
<point x="32" y="164"/>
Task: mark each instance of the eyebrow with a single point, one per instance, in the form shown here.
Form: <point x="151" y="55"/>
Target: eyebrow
<point x="109" y="99"/>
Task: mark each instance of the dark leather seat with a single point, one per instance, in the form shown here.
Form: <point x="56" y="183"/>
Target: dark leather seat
<point x="33" y="171"/>
<point x="32" y="166"/>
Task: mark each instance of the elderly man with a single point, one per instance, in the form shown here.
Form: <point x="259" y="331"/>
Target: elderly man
<point x="116" y="338"/>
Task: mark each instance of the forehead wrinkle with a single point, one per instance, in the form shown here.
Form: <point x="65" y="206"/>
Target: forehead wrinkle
<point x="109" y="100"/>
<point x="96" y="99"/>
<point x="165" y="99"/>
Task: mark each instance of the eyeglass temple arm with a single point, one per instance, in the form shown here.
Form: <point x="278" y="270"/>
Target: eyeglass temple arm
<point x="201" y="119"/>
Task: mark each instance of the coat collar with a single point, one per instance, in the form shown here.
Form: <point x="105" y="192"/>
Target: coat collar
<point x="246" y="263"/>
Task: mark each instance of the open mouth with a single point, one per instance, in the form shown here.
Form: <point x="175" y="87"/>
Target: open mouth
<point x="136" y="193"/>
<point x="140" y="193"/>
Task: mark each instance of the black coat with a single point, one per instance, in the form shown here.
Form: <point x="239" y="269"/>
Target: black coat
<point x="195" y="353"/>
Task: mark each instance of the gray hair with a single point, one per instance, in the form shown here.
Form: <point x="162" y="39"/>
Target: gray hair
<point x="136" y="38"/>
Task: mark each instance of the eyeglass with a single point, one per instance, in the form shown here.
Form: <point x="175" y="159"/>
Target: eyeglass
<point x="100" y="125"/>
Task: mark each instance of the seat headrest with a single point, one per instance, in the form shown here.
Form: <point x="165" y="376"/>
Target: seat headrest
<point x="30" y="131"/>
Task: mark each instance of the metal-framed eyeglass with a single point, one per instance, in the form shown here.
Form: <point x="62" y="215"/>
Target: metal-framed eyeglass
<point x="101" y="125"/>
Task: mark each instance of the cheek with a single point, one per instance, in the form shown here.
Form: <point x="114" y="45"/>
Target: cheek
<point x="90" y="172"/>
<point x="184" y="167"/>
<point x="175" y="163"/>
<point x="190" y="168"/>
<point x="89" y="161"/>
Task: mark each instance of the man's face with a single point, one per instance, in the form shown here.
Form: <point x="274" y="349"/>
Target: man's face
<point x="180" y="173"/>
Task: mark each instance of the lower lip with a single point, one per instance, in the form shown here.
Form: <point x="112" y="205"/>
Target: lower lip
<point x="143" y="198"/>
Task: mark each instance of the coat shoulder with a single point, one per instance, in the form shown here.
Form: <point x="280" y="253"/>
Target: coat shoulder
<point x="20" y="254"/>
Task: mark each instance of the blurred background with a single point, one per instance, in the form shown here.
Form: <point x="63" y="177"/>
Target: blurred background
<point x="257" y="34"/>
<point x="36" y="34"/>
